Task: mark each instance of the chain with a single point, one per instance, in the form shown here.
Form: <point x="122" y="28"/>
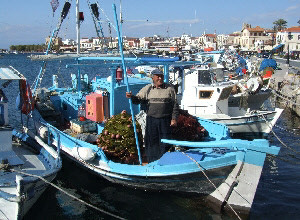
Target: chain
<point x="297" y="152"/>
<point x="284" y="129"/>
<point x="285" y="160"/>
<point x="286" y="98"/>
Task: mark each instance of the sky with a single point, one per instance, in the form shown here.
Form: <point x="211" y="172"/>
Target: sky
<point x="31" y="21"/>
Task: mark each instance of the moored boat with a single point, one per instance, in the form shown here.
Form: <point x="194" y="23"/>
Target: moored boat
<point x="204" y="97"/>
<point x="85" y="121"/>
<point x="217" y="155"/>
<point x="27" y="164"/>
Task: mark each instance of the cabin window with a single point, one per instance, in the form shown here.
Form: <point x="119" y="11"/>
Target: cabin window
<point x="205" y="94"/>
<point x="204" y="77"/>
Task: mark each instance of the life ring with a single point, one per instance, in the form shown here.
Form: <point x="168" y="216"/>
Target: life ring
<point x="26" y="97"/>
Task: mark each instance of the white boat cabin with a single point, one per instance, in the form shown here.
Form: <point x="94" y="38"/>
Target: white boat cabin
<point x="203" y="96"/>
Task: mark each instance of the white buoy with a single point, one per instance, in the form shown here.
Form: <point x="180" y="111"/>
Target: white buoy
<point x="83" y="153"/>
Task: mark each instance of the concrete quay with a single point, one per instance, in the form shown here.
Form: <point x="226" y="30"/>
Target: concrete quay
<point x="285" y="83"/>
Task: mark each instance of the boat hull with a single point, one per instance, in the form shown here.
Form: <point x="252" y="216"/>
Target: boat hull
<point x="195" y="182"/>
<point x="30" y="191"/>
<point x="31" y="169"/>
<point x="260" y="123"/>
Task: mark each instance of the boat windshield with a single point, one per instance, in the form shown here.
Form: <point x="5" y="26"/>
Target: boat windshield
<point x="204" y="77"/>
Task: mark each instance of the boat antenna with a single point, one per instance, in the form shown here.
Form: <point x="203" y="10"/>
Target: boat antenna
<point x="78" y="26"/>
<point x="121" y="22"/>
<point x="127" y="84"/>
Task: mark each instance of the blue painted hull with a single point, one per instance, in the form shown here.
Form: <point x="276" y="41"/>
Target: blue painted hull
<point x="195" y="167"/>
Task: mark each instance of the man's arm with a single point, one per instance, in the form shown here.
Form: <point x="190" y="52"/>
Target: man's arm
<point x="140" y="97"/>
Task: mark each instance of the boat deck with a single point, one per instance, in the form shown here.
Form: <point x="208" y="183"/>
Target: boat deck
<point x="22" y="158"/>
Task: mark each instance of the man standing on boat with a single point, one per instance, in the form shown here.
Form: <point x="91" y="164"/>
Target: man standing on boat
<point x="162" y="112"/>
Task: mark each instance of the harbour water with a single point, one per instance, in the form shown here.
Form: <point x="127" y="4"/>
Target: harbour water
<point x="277" y="196"/>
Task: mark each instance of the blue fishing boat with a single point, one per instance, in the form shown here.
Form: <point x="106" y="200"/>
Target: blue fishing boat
<point x="76" y="120"/>
<point x="28" y="165"/>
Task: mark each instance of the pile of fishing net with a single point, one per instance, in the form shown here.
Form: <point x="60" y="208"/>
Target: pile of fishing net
<point x="117" y="139"/>
<point x="188" y="128"/>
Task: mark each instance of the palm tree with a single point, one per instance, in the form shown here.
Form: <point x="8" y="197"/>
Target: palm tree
<point x="280" y="24"/>
<point x="298" y="22"/>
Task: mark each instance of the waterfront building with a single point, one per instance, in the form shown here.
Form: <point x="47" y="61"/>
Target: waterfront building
<point x="283" y="40"/>
<point x="145" y="42"/>
<point x="208" y="41"/>
<point x="131" y="43"/>
<point x="86" y="44"/>
<point x="69" y="42"/>
<point x="254" y="39"/>
<point x="55" y="41"/>
<point x="222" y="41"/>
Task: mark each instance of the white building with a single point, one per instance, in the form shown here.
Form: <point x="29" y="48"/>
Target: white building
<point x="69" y="42"/>
<point x="294" y="42"/>
<point x="86" y="44"/>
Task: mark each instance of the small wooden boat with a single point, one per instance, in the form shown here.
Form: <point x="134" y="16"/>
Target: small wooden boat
<point x="27" y="164"/>
<point x="203" y="97"/>
<point x="75" y="119"/>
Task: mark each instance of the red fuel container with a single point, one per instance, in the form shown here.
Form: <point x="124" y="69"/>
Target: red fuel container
<point x="96" y="104"/>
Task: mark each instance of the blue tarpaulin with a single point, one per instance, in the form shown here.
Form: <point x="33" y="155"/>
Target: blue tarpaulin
<point x="277" y="47"/>
<point x="268" y="63"/>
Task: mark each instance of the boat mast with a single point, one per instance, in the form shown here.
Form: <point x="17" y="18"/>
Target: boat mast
<point x="78" y="26"/>
<point x="121" y="22"/>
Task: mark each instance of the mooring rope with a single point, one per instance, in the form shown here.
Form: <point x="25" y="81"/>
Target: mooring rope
<point x="202" y="170"/>
<point x="67" y="193"/>
<point x="270" y="126"/>
<point x="285" y="160"/>
<point x="286" y="130"/>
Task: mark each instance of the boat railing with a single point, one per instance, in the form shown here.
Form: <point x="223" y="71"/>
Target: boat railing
<point x="258" y="145"/>
<point x="63" y="139"/>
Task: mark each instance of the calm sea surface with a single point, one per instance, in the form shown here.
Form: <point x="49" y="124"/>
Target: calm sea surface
<point x="277" y="196"/>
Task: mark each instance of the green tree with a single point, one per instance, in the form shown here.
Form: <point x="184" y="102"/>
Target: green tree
<point x="280" y="24"/>
<point x="12" y="47"/>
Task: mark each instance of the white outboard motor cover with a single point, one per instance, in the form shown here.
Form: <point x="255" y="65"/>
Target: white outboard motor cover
<point x="84" y="153"/>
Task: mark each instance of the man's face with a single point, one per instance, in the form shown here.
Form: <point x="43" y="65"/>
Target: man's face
<point x="158" y="79"/>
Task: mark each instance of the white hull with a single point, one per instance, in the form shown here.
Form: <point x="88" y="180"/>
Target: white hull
<point x="25" y="161"/>
<point x="260" y="122"/>
<point x="24" y="199"/>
